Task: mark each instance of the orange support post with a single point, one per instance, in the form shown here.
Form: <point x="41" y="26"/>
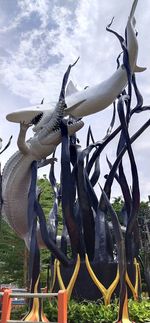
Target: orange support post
<point x="6" y="306"/>
<point x="62" y="306"/>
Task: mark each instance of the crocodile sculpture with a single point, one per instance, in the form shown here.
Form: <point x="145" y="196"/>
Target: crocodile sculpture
<point x="16" y="177"/>
<point x="17" y="171"/>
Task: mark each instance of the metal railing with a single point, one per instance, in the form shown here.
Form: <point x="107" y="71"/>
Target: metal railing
<point x="7" y="296"/>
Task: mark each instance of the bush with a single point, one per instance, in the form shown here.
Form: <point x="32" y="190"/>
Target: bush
<point x="96" y="312"/>
<point x="140" y="311"/>
<point x="93" y="312"/>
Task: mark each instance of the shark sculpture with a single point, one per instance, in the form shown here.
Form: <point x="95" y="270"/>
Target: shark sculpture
<point x="46" y="120"/>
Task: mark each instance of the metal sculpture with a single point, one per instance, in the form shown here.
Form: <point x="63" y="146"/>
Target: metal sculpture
<point x="84" y="215"/>
<point x="46" y="139"/>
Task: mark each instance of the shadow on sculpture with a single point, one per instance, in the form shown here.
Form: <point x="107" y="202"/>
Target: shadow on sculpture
<point x="7" y="145"/>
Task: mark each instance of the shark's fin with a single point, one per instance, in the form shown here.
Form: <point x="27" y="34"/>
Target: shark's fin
<point x="138" y="69"/>
<point x="71" y="89"/>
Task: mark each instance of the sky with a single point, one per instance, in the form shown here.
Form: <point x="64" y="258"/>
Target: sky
<point x="40" y="38"/>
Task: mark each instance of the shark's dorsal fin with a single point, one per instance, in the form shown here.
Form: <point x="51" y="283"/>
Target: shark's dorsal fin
<point x="71" y="89"/>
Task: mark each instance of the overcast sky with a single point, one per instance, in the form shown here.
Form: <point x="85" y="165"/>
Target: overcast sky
<point x="40" y="38"/>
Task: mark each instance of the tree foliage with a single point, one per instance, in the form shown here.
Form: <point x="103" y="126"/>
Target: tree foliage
<point x="46" y="196"/>
<point x="13" y="255"/>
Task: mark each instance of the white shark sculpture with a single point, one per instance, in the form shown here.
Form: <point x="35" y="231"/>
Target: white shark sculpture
<point x="92" y="99"/>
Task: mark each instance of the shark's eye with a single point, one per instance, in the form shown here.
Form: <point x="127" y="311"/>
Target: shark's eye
<point x="37" y="119"/>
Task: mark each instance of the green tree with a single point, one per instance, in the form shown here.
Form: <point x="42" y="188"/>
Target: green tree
<point x="13" y="253"/>
<point x="46" y="196"/>
<point x="12" y="250"/>
<point x="144" y="226"/>
<point x="117" y="204"/>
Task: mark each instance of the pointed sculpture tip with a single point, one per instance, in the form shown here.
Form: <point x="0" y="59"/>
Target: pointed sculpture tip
<point x="134" y="5"/>
<point x="75" y="62"/>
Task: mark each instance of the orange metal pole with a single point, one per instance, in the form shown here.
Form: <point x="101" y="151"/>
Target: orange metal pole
<point x="62" y="306"/>
<point x="6" y="306"/>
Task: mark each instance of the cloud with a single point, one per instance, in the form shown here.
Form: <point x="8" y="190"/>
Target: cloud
<point x="62" y="36"/>
<point x="41" y="51"/>
<point x="25" y="9"/>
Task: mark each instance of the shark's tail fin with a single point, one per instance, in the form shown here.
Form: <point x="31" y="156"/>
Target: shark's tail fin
<point x="132" y="20"/>
<point x="133" y="9"/>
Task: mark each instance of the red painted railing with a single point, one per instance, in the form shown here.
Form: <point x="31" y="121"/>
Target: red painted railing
<point x="7" y="296"/>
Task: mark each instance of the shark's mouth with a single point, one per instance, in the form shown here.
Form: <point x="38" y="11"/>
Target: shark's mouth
<point x="44" y="120"/>
<point x="37" y="119"/>
<point x="49" y="119"/>
<point x="53" y="125"/>
<point x="30" y="115"/>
